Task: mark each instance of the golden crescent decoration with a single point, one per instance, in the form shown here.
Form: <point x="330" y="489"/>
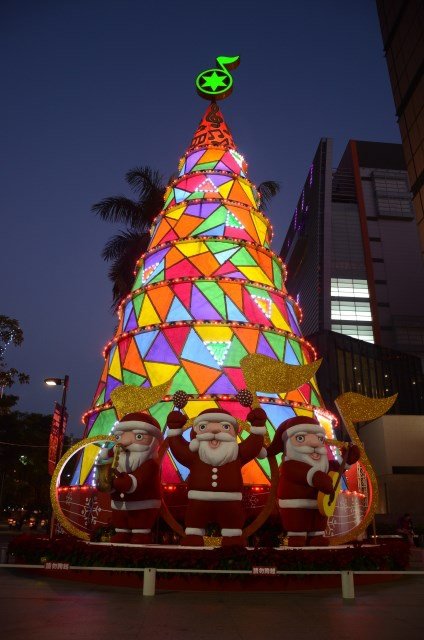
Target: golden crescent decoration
<point x="55" y="481"/>
<point x="354" y="407"/>
<point x="129" y="398"/>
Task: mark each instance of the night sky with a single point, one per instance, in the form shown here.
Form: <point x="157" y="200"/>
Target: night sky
<point x="93" y="88"/>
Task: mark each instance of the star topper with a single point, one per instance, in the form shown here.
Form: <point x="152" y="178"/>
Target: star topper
<point x="217" y="84"/>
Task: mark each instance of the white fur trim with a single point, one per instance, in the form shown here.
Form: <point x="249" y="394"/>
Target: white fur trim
<point x="174" y="432"/>
<point x="312" y="471"/>
<point x="231" y="533"/>
<point x="192" y="531"/>
<point x="194" y="445"/>
<point x="263" y="453"/>
<point x="119" y="505"/>
<point x="304" y="428"/>
<point x="214" y="496"/>
<point x="133" y="484"/>
<point x="298" y="503"/>
<point x="122" y="530"/>
<point x="315" y="533"/>
<point x="214" y="417"/>
<point x="134" y="425"/>
<point x="258" y="431"/>
<point x="140" y="530"/>
<point x="296" y="533"/>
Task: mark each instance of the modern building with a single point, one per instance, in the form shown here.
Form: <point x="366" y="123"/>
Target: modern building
<point x="352" y="251"/>
<point x="350" y="364"/>
<point x="402" y="28"/>
<point x="399" y="468"/>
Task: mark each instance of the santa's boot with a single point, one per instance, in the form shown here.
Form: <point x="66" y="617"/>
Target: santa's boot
<point x="141" y="538"/>
<point x="317" y="541"/>
<point x="121" y="537"/>
<point x="296" y="539"/>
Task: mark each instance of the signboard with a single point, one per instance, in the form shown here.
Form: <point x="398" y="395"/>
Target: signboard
<point x="57" y="433"/>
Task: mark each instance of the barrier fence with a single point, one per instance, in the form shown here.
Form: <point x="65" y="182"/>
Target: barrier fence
<point x="149" y="574"/>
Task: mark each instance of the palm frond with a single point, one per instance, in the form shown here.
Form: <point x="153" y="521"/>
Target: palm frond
<point x="123" y="250"/>
<point x="144" y="181"/>
<point x="268" y="190"/>
<point x="119" y="209"/>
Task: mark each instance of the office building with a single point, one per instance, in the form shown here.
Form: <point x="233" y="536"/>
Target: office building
<point x="352" y="251"/>
<point x="402" y="28"/>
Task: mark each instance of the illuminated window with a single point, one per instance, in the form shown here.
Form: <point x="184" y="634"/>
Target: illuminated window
<point x="350" y="310"/>
<point x="361" y="332"/>
<point x="349" y="288"/>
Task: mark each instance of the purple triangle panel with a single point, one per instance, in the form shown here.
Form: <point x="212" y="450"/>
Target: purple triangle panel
<point x="155" y="257"/>
<point x="160" y="351"/>
<point x="132" y="322"/>
<point x="222" y="385"/>
<point x="202" y="210"/>
<point x="264" y="348"/>
<point x="201" y="308"/>
<point x="111" y="384"/>
<point x="193" y="158"/>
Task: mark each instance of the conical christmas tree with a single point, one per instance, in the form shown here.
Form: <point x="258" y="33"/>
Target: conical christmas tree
<point x="207" y="292"/>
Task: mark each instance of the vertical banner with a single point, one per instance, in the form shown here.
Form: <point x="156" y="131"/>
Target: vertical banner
<point x="57" y="433"/>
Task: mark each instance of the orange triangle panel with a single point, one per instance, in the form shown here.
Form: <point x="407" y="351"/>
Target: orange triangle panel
<point x="248" y="338"/>
<point x="133" y="361"/>
<point x="161" y="298"/>
<point x="201" y="376"/>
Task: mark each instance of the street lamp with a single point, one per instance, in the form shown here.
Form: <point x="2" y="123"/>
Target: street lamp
<point x="56" y="382"/>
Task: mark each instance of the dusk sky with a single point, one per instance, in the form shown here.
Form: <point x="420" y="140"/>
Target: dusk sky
<point x="93" y="88"/>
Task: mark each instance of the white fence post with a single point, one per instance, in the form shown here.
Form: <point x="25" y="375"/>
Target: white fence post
<point x="348" y="585"/>
<point x="149" y="582"/>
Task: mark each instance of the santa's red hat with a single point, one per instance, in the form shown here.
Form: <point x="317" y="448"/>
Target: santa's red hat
<point x="141" y="422"/>
<point x="299" y="424"/>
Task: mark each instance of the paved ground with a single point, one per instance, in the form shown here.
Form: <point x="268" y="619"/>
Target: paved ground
<point x="47" y="609"/>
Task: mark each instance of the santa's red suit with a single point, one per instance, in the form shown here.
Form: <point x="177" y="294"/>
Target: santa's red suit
<point x="136" y="487"/>
<point x="301" y="481"/>
<point x="215" y="491"/>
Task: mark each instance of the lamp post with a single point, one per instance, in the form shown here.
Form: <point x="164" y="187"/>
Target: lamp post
<point x="55" y="382"/>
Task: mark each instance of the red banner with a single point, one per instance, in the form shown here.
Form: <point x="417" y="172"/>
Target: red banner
<point x="57" y="433"/>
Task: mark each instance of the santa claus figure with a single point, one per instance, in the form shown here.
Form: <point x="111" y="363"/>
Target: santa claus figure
<point x="215" y="460"/>
<point x="136" y="487"/>
<point x="304" y="473"/>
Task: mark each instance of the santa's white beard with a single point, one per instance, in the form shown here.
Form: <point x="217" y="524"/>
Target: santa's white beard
<point x="301" y="454"/>
<point x="226" y="452"/>
<point x="131" y="458"/>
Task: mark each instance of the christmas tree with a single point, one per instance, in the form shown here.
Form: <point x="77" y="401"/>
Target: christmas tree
<point x="207" y="292"/>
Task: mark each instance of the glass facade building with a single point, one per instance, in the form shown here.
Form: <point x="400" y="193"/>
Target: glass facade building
<point x="352" y="248"/>
<point x="402" y="28"/>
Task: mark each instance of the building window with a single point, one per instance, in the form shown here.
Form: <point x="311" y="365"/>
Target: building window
<point x="361" y="332"/>
<point x="351" y="310"/>
<point x="349" y="288"/>
<point x="394" y="207"/>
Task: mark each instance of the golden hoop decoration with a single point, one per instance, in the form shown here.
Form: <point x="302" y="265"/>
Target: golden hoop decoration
<point x="57" y="509"/>
<point x="355" y="407"/>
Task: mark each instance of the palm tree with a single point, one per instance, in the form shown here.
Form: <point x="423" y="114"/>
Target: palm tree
<point x="124" y="249"/>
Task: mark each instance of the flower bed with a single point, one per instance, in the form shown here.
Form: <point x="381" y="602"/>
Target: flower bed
<point x="391" y="555"/>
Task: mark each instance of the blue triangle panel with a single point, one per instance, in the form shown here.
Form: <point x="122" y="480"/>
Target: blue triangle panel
<point x="177" y="312"/>
<point x="195" y="350"/>
<point x="233" y="313"/>
<point x="144" y="340"/>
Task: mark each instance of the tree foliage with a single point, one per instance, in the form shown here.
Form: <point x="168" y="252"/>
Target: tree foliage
<point x="10" y="333"/>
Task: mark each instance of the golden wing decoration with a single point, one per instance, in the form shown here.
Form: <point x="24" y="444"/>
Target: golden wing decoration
<point x="129" y="398"/>
<point x="272" y="376"/>
<point x="354" y="407"/>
